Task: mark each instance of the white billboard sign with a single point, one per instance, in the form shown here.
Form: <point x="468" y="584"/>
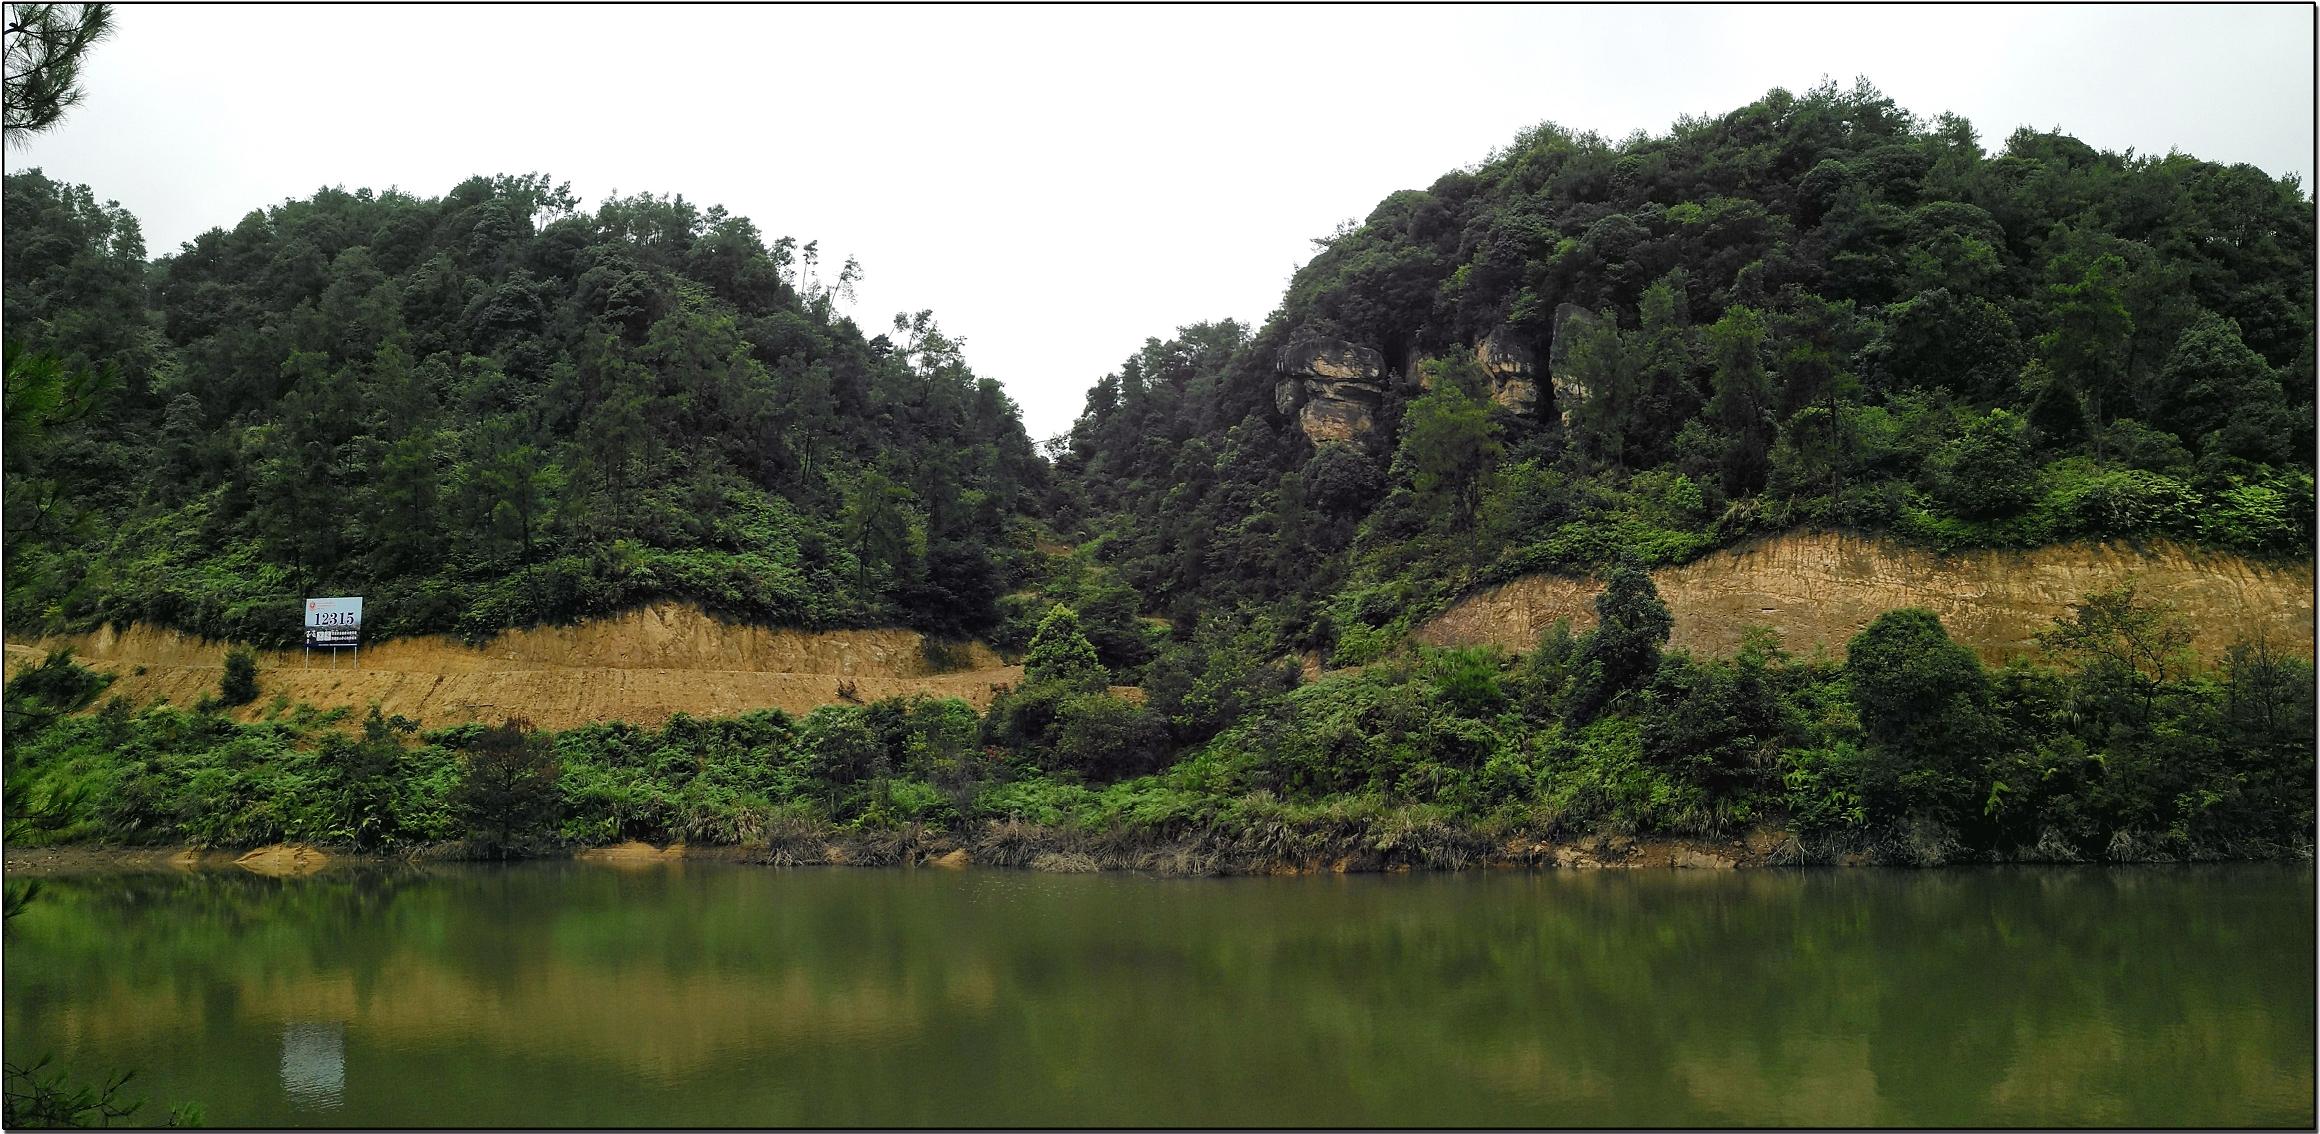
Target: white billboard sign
<point x="333" y="621"/>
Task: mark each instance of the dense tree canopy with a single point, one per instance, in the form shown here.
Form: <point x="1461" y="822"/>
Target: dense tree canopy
<point x="484" y="409"/>
<point x="1817" y="309"/>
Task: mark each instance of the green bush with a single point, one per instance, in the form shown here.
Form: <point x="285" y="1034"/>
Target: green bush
<point x="2274" y="516"/>
<point x="239" y="686"/>
<point x="507" y="793"/>
<point x="2126" y="502"/>
<point x="1467" y="680"/>
<point x="1103" y="737"/>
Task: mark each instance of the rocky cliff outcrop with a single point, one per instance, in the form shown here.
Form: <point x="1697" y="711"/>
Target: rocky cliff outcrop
<point x="1513" y="369"/>
<point x="1817" y="590"/>
<point x="1334" y="387"/>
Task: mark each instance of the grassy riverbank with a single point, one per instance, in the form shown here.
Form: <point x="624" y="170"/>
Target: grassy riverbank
<point x="1592" y="748"/>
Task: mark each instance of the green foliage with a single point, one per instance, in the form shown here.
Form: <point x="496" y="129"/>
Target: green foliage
<point x="1631" y="624"/>
<point x="1103" y="737"/>
<point x="1448" y="442"/>
<point x="506" y="794"/>
<point x="45" y="47"/>
<point x="1815" y="311"/>
<point x="481" y="411"/>
<point x="239" y="686"/>
<point x="1061" y="654"/>
<point x="1467" y="681"/>
<point x="2129" y="651"/>
<point x="1911" y="751"/>
<point x="54" y="686"/>
<point x="38" y="1097"/>
<point x="1987" y="471"/>
<point x="1224" y="672"/>
<point x="1923" y="702"/>
<point x="1722" y="723"/>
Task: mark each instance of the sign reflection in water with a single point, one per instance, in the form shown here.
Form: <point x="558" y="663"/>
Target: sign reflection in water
<point x="314" y="1064"/>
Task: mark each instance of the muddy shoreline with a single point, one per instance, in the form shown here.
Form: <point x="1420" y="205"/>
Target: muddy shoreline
<point x="1003" y="846"/>
<point x="1022" y="846"/>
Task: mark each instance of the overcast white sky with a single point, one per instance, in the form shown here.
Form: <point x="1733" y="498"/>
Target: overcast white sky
<point x="1059" y="184"/>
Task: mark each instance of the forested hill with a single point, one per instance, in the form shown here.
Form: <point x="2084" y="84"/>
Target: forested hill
<point x="483" y="410"/>
<point x="1816" y="310"/>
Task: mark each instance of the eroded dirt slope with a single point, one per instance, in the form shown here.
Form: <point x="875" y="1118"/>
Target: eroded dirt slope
<point x="641" y="667"/>
<point x="1819" y="589"/>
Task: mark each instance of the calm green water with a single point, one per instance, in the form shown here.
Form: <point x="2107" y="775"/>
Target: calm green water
<point x="566" y="994"/>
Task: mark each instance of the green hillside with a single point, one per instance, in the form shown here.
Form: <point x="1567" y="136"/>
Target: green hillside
<point x="1814" y="310"/>
<point x="484" y="410"/>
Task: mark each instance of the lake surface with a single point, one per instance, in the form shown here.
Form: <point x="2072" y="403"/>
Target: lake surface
<point x="699" y="995"/>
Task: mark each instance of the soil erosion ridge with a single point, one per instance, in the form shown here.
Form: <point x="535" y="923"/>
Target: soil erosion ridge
<point x="643" y="667"/>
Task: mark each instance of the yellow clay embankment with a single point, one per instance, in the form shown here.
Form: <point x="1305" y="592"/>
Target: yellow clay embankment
<point x="1819" y="589"/>
<point x="642" y="667"/>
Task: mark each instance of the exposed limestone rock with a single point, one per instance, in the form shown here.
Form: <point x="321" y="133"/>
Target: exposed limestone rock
<point x="1326" y="419"/>
<point x="1817" y="589"/>
<point x="283" y="860"/>
<point x="1572" y="858"/>
<point x="1341" y="386"/>
<point x="633" y="855"/>
<point x="1570" y="320"/>
<point x="1513" y="369"/>
<point x="1332" y="359"/>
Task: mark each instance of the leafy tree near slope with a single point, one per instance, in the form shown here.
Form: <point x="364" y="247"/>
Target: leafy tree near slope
<point x="1923" y="701"/>
<point x="879" y="527"/>
<point x="1448" y="441"/>
<point x="1989" y="470"/>
<point x="2083" y="355"/>
<point x="2221" y="397"/>
<point x="2129" y="650"/>
<point x="1061" y="653"/>
<point x="239" y="685"/>
<point x="1624" y="648"/>
<point x="507" y="790"/>
<point x="1742" y="405"/>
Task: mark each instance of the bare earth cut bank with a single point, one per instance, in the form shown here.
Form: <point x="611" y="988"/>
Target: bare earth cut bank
<point x="1818" y="589"/>
<point x="641" y="667"/>
<point x="1815" y="589"/>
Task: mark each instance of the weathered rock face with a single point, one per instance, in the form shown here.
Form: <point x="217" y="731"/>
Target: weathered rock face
<point x="1337" y="418"/>
<point x="1409" y="375"/>
<point x="1513" y="369"/>
<point x="1817" y="590"/>
<point x="1334" y="386"/>
<point x="1570" y="321"/>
